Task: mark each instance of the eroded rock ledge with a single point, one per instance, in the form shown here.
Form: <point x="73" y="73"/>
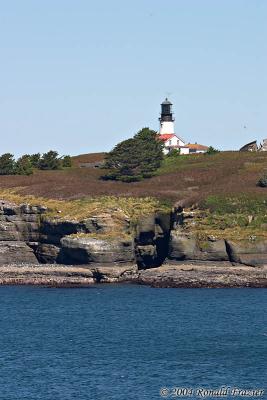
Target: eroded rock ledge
<point x="158" y="250"/>
<point x="211" y="275"/>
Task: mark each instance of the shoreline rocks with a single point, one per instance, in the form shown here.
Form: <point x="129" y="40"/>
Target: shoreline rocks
<point x="211" y="275"/>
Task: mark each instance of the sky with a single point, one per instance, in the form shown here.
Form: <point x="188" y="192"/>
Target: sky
<point x="80" y="76"/>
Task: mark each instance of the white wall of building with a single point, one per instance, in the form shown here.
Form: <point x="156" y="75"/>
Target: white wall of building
<point x="174" y="141"/>
<point x="184" y="150"/>
<point x="166" y="127"/>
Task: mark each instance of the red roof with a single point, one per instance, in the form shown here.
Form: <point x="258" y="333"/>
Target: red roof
<point x="166" y="136"/>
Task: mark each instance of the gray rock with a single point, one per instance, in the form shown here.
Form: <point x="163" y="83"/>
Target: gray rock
<point x="152" y="239"/>
<point x="249" y="253"/>
<point x="185" y="246"/>
<point x="212" y="250"/>
<point x="105" y="223"/>
<point x="146" y="255"/>
<point x="16" y="252"/>
<point x="47" y="253"/>
<point x="86" y="250"/>
<point x="182" y="246"/>
<point x="8" y="232"/>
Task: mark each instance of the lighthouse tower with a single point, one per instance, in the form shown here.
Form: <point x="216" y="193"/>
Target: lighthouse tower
<point x="166" y="119"/>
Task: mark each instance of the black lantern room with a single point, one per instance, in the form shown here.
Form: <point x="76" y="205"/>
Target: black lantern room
<point x="166" y="111"/>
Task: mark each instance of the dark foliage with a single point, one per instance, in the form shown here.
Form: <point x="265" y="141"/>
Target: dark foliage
<point x="66" y="162"/>
<point x="24" y="166"/>
<point x="49" y="161"/>
<point x="35" y="159"/>
<point x="263" y="181"/>
<point x="173" y="153"/>
<point x="211" y="150"/>
<point x="7" y="164"/>
<point x="135" y="158"/>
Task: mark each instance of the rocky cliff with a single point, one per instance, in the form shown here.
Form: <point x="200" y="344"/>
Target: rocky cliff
<point x="29" y="235"/>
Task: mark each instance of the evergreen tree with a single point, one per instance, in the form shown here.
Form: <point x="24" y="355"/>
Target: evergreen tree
<point x="211" y="150"/>
<point x="66" y="161"/>
<point x="136" y="158"/>
<point x="35" y="159"/>
<point x="49" y="161"/>
<point x="24" y="165"/>
<point x="7" y="164"/>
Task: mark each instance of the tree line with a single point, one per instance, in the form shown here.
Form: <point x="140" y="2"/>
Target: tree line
<point x="25" y="164"/>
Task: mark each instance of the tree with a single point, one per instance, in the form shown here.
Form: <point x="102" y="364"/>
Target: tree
<point x="35" y="159"/>
<point x="49" y="161"/>
<point x="135" y="158"/>
<point x="24" y="165"/>
<point x="66" y="161"/>
<point x="212" y="150"/>
<point x="7" y="164"/>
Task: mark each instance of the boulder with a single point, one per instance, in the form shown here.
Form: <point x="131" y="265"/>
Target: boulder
<point x="252" y="253"/>
<point x="182" y="246"/>
<point x="212" y="250"/>
<point x="146" y="255"/>
<point x="47" y="253"/>
<point x="16" y="252"/>
<point x="185" y="246"/>
<point x="84" y="250"/>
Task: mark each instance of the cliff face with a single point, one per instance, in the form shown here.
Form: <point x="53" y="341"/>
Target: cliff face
<point x="28" y="235"/>
<point x="19" y="232"/>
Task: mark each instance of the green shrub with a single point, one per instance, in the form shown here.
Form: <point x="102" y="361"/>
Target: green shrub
<point x="49" y="161"/>
<point x="24" y="166"/>
<point x="7" y="164"/>
<point x="173" y="153"/>
<point x="35" y="159"/>
<point x="211" y="150"/>
<point x="66" y="161"/>
<point x="263" y="181"/>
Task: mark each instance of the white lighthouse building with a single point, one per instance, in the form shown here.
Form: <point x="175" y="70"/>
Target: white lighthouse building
<point x="166" y="120"/>
<point x="166" y="130"/>
<point x="168" y="136"/>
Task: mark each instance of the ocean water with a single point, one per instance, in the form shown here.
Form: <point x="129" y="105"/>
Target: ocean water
<point x="121" y="342"/>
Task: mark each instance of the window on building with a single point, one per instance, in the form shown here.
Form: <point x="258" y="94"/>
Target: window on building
<point x="170" y="142"/>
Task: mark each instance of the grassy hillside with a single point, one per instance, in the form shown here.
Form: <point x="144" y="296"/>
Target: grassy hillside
<point x="188" y="178"/>
<point x="221" y="187"/>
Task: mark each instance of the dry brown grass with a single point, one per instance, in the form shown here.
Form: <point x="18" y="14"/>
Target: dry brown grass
<point x="191" y="178"/>
<point x="79" y="209"/>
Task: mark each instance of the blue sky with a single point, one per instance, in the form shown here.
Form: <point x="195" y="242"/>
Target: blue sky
<point x="80" y="76"/>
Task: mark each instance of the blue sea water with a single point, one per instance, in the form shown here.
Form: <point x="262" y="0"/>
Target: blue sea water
<point x="123" y="342"/>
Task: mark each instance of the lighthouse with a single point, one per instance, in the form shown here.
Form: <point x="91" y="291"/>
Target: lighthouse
<point x="166" y="119"/>
<point x="171" y="140"/>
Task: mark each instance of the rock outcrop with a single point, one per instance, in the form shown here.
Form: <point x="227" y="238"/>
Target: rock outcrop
<point x="19" y="232"/>
<point x="185" y="246"/>
<point x="152" y="240"/>
<point x="208" y="274"/>
<point x="107" y="247"/>
<point x="86" y="250"/>
<point x="248" y="252"/>
<point x="27" y="234"/>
